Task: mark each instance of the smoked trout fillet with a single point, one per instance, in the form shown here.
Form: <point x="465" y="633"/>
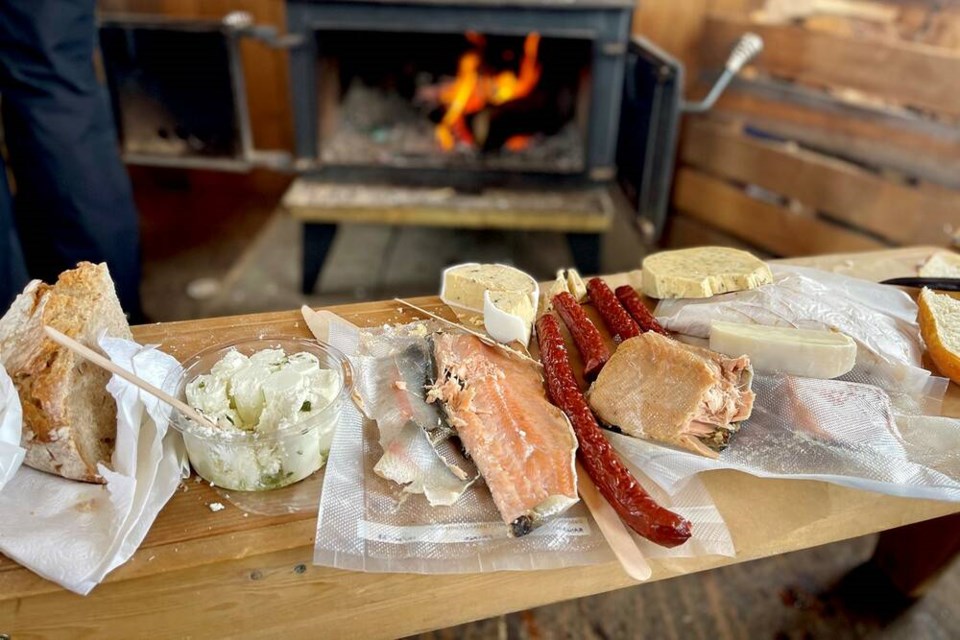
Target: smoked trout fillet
<point x="667" y="391"/>
<point x="523" y="446"/>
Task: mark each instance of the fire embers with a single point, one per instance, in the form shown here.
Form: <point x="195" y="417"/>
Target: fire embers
<point x="470" y="100"/>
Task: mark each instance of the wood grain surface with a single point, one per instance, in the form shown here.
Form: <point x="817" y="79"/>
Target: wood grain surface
<point x="767" y="225"/>
<point x="205" y="574"/>
<point x="841" y="189"/>
<point x="906" y="73"/>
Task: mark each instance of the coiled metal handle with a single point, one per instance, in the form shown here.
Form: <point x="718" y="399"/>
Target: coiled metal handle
<point x="746" y="49"/>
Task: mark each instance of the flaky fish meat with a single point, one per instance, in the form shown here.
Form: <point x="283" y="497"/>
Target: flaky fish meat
<point x="656" y="388"/>
<point x="523" y="446"/>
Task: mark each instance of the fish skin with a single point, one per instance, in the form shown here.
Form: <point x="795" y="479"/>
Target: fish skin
<point x="415" y="368"/>
<point x="406" y="462"/>
<point x="392" y="385"/>
<point x="523" y="446"/>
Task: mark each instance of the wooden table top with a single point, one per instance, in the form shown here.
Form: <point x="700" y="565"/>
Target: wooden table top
<point x="205" y="574"/>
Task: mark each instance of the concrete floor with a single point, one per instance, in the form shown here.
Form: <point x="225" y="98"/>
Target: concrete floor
<point x="249" y="261"/>
<point x="213" y="245"/>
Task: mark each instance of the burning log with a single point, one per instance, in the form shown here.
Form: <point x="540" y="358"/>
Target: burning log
<point x="539" y="112"/>
<point x="477" y="88"/>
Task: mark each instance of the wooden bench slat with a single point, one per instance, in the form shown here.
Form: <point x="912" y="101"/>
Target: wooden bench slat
<point x="772" y="228"/>
<point x="901" y="213"/>
<point x="905" y="73"/>
<point x="873" y="140"/>
<point x="683" y="232"/>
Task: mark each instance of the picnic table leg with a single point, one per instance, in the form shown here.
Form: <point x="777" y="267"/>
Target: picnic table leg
<point x="912" y="557"/>
<point x="317" y="239"/>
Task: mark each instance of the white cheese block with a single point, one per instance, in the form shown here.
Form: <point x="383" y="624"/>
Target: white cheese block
<point x="702" y="272"/>
<point x="799" y="352"/>
<point x="508" y="316"/>
<point x="941" y="265"/>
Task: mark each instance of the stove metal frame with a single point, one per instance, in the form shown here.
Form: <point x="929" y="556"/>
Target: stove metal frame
<point x="606" y="24"/>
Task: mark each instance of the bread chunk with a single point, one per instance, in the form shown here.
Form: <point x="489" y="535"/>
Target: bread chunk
<point x="69" y="418"/>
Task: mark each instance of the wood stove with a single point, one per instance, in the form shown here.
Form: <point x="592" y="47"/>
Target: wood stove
<point x="396" y="57"/>
<point x="530" y="106"/>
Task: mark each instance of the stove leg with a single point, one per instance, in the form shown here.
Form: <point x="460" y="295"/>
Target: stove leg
<point x="317" y="239"/>
<point x="585" y="248"/>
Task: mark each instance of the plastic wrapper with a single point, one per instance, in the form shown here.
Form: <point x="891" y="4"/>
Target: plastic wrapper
<point x="369" y="523"/>
<point x="880" y="318"/>
<point x="74" y="533"/>
<point x="869" y="429"/>
<point x="11" y="425"/>
<point x="835" y="431"/>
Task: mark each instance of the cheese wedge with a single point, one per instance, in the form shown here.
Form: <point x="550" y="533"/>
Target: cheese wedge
<point x="941" y="265"/>
<point x="499" y="298"/>
<point x="567" y="280"/>
<point x="798" y="352"/>
<point x="702" y="272"/>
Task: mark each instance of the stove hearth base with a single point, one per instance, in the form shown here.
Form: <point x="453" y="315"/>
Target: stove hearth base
<point x="582" y="213"/>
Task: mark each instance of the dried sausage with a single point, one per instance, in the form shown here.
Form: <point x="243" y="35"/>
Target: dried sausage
<point x="631" y="502"/>
<point x="618" y="321"/>
<point x="588" y="340"/>
<point x="630" y="299"/>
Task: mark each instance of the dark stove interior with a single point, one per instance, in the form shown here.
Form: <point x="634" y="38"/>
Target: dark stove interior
<point x="172" y="91"/>
<point x="517" y="102"/>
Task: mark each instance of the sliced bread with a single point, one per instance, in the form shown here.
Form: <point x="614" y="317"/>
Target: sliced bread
<point x="939" y="319"/>
<point x="69" y="418"/>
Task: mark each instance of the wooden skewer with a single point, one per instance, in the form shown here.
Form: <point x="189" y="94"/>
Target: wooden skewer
<point x="613" y="529"/>
<point x="109" y="365"/>
<point x="482" y="337"/>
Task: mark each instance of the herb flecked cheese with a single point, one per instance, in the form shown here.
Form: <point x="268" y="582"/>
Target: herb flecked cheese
<point x="464" y="285"/>
<point x="702" y="272"/>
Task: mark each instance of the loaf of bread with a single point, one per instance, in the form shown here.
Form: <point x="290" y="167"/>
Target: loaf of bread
<point x="69" y="418"/>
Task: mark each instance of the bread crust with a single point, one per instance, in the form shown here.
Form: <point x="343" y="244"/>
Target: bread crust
<point x="69" y="419"/>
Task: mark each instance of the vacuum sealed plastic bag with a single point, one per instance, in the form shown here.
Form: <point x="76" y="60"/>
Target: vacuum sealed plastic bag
<point x="881" y="319"/>
<point x="861" y="430"/>
<point x="835" y="431"/>
<point x="370" y="523"/>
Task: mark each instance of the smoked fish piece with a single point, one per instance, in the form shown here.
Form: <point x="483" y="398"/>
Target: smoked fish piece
<point x="523" y="446"/>
<point x="663" y="390"/>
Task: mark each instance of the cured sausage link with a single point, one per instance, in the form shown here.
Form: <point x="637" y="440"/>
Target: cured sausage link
<point x="588" y="340"/>
<point x="631" y="502"/>
<point x="630" y="299"/>
<point x="618" y="321"/>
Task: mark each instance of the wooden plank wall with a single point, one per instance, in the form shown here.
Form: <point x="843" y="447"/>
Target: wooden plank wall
<point x="843" y="135"/>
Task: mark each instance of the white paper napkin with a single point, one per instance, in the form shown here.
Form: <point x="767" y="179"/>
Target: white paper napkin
<point x="74" y="533"/>
<point x="11" y="424"/>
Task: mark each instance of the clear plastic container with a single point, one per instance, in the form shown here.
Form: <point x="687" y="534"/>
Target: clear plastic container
<point x="254" y="460"/>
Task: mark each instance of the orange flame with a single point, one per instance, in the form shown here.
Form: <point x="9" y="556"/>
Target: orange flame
<point x="475" y="87"/>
